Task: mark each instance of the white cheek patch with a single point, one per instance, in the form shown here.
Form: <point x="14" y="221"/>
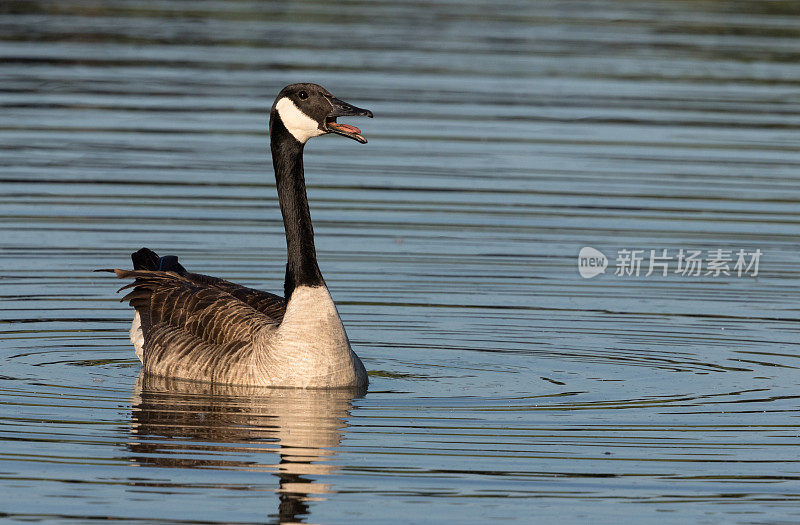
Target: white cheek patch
<point x="300" y="125"/>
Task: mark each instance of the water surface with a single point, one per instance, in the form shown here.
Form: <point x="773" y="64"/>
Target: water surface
<point x="508" y="135"/>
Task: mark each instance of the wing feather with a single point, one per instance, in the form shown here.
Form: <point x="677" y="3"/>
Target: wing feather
<point x="197" y="326"/>
<point x="268" y="303"/>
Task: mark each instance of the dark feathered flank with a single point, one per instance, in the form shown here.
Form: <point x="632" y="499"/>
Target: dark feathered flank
<point x="184" y="313"/>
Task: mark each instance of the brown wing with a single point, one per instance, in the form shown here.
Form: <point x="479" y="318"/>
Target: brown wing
<point x="270" y="304"/>
<point x="265" y="302"/>
<point x="193" y="329"/>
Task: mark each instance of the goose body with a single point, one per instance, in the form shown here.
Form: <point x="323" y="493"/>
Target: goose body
<point x="196" y="327"/>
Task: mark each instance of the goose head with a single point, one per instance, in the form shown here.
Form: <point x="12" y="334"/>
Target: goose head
<point x="309" y="110"/>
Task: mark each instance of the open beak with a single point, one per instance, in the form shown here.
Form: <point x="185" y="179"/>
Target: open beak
<point x="343" y="109"/>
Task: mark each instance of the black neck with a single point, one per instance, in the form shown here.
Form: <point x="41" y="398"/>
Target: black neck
<point x="287" y="159"/>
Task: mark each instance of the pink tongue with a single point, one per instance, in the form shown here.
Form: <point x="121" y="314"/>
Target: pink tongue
<point x="345" y="127"/>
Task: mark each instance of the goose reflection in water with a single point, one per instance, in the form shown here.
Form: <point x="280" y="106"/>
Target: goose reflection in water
<point x="306" y="426"/>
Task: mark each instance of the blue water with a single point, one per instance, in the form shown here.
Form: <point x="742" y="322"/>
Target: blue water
<point x="507" y="136"/>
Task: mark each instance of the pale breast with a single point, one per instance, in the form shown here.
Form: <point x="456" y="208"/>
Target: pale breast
<point x="310" y="348"/>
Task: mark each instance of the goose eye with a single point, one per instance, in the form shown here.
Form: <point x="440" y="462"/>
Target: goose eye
<point x="303" y="95"/>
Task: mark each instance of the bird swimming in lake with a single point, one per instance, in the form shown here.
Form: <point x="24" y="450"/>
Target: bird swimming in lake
<point x="202" y="328"/>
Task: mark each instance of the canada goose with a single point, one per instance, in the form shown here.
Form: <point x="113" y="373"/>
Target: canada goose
<point x="202" y="328"/>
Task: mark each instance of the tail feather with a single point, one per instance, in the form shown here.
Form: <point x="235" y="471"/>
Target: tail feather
<point x="146" y="259"/>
